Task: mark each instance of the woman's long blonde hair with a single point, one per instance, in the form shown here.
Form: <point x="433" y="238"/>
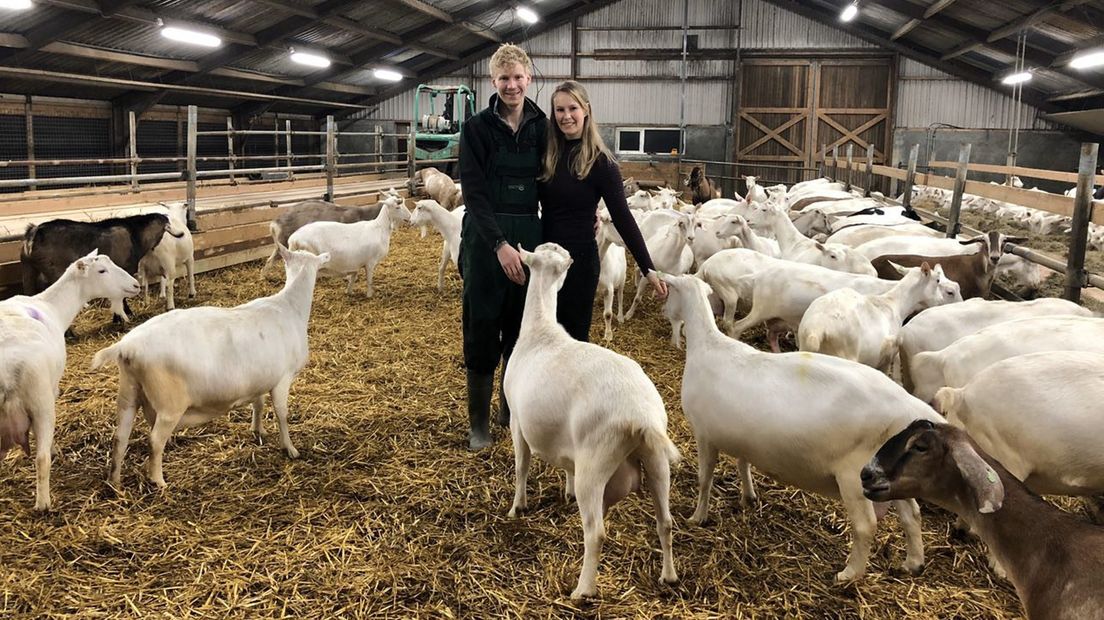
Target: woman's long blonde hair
<point x="590" y="147"/>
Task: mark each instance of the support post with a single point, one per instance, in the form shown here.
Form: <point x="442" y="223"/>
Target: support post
<point x="132" y="123"/>
<point x="910" y="177"/>
<point x="287" y="146"/>
<point x="1011" y="163"/>
<point x="850" y="158"/>
<point x="869" y="169"/>
<point x="230" y="147"/>
<point x="331" y="147"/>
<point x="28" y="119"/>
<point x="379" y="147"/>
<point x="193" y="126"/>
<point x="953" y="225"/>
<point x="823" y="154"/>
<point x="1082" y="214"/>
<point x="835" y="163"/>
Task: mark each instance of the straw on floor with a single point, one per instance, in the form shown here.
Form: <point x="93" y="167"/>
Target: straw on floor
<point x="386" y="514"/>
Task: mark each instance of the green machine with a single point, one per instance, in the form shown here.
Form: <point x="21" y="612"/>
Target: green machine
<point x="435" y="136"/>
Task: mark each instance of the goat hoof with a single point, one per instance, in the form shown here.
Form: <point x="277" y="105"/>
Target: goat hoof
<point x="292" y="452"/>
<point x="670" y="580"/>
<point x="259" y="438"/>
<point x="749" y="502"/>
<point x="697" y="519"/>
<point x="43" y="505"/>
<point x="584" y="592"/>
<point x="847" y="575"/>
<point x="913" y="568"/>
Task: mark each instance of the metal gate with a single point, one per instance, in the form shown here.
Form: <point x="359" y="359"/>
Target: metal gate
<point x="791" y="108"/>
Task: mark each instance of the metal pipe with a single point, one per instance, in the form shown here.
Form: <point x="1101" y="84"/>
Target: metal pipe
<point x="230" y="145"/>
<point x="109" y="178"/>
<point x="331" y="160"/>
<point x="1082" y="213"/>
<point x="190" y="173"/>
<point x="205" y="174"/>
<point x="287" y="145"/>
<point x="133" y="148"/>
<point x="869" y="169"/>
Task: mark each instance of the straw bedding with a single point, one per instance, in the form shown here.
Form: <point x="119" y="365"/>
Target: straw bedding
<point x="386" y="514"/>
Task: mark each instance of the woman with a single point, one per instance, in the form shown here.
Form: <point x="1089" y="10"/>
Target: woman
<point x="578" y="170"/>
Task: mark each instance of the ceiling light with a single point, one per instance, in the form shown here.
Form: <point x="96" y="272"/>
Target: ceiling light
<point x="385" y="74"/>
<point x="15" y="4"/>
<point x="313" y="60"/>
<point x="1016" y="78"/>
<point x="1091" y="59"/>
<point x="190" y="36"/>
<point x="849" y="12"/>
<point x="527" y="15"/>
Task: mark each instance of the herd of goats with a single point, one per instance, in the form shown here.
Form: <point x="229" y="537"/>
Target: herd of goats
<point x="909" y="382"/>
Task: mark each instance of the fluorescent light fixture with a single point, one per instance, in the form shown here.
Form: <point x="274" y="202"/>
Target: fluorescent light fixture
<point x="527" y="15"/>
<point x="849" y="12"/>
<point x="385" y="74"/>
<point x="15" y="5"/>
<point x="1091" y="59"/>
<point x="313" y="60"/>
<point x="1017" y="78"/>
<point x="190" y="36"/>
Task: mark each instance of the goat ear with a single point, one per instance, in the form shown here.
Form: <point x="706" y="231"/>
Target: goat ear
<point x="324" y="258"/>
<point x="900" y="269"/>
<point x="983" y="481"/>
<point x="525" y="254"/>
<point x="981" y="239"/>
<point x="93" y="254"/>
<point x="1015" y="239"/>
<point x="284" y="252"/>
<point x="925" y="268"/>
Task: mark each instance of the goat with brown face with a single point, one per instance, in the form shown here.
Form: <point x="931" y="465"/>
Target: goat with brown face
<point x="701" y="188"/>
<point x="1055" y="560"/>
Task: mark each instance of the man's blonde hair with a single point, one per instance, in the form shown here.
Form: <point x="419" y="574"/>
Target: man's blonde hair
<point x="508" y="54"/>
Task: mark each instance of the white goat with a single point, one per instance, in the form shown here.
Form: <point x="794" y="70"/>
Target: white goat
<point x="259" y="347"/>
<point x="430" y="213"/>
<point x="559" y="393"/>
<point x="670" y="252"/>
<point x="755" y="193"/>
<point x="960" y="361"/>
<point x="170" y="259"/>
<point x="784" y="290"/>
<point x="856" y="235"/>
<point x="799" y="248"/>
<point x="864" y="328"/>
<point x="352" y="246"/>
<point x="611" y="279"/>
<point x="736" y="226"/>
<point x="810" y="420"/>
<point x="32" y="356"/>
<point x="936" y="328"/>
<point x="723" y="273"/>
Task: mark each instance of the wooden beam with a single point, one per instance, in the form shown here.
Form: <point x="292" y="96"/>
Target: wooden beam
<point x="1026" y="21"/>
<point x="938" y="6"/>
<point x="482" y="31"/>
<point x="426" y="9"/>
<point x="906" y="28"/>
<point x="293" y="8"/>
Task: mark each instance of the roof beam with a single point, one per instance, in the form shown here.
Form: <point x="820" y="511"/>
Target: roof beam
<point x="426" y="9"/>
<point x="549" y="22"/>
<point x="1031" y="96"/>
<point x="938" y="6"/>
<point x="905" y="29"/>
<point x="1026" y="21"/>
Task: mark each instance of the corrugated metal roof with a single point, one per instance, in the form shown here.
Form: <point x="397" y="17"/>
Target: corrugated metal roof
<point x="589" y="67"/>
<point x="644" y="13"/>
<point x="22" y="21"/>
<point x="765" y="26"/>
<point x="923" y="102"/>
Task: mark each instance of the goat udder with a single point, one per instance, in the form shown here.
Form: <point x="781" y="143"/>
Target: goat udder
<point x="623" y="481"/>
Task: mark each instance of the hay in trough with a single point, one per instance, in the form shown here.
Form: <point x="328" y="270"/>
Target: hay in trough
<point x="386" y="514"/>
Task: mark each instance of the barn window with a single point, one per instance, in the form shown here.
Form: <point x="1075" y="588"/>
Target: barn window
<point x="650" y="140"/>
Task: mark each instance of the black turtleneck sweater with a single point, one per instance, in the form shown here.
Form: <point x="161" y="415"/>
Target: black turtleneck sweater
<point x="569" y="206"/>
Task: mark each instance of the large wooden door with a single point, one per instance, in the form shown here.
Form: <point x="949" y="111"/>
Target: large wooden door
<point x="792" y="108"/>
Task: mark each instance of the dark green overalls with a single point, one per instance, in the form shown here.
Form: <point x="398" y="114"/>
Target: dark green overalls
<point x="510" y="164"/>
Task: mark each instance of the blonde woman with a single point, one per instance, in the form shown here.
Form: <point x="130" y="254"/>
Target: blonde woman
<point x="578" y="170"/>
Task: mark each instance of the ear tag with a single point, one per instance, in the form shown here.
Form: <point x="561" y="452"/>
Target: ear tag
<point x="991" y="475"/>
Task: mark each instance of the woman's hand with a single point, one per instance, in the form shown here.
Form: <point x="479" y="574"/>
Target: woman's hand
<point x="510" y="259"/>
<point x="659" y="286"/>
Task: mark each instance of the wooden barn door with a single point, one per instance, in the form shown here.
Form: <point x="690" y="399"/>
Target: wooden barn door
<point x="789" y="108"/>
<point x="854" y="105"/>
<point x="774" y="120"/>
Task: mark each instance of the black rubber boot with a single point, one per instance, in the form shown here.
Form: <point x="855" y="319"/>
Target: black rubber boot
<point x="480" y="388"/>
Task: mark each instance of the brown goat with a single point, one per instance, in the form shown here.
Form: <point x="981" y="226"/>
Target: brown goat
<point x="1055" y="560"/>
<point x="973" y="272"/>
<point x="701" y="188"/>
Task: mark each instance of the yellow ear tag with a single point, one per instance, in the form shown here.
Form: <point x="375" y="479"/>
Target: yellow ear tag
<point x="991" y="475"/>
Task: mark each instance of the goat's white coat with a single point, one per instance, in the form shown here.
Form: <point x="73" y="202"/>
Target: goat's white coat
<point x="864" y="328"/>
<point x="587" y="410"/>
<point x="353" y="246"/>
<point x="32" y="355"/>
<point x="431" y="213"/>
<point x="172" y="258"/>
<point x="809" y="420"/>
<point x="189" y="366"/>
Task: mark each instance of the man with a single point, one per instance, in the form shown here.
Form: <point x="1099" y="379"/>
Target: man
<point x="500" y="155"/>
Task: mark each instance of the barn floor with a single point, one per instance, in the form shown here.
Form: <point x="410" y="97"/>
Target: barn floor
<point x="385" y="514"/>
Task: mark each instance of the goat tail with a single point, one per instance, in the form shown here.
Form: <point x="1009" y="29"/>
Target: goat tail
<point x="28" y="240"/>
<point x="106" y="357"/>
<point x="949" y="400"/>
<point x="658" y="442"/>
<point x="812" y="341"/>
